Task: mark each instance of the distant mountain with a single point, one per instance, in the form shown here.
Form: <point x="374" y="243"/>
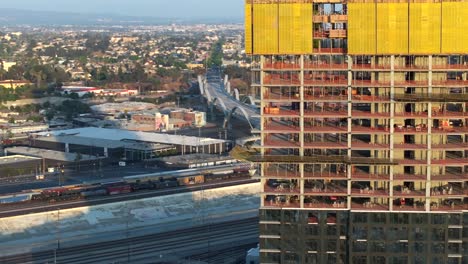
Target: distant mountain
<point x="27" y="17"/>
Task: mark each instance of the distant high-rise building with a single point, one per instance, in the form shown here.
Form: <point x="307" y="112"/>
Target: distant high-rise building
<point x="364" y="134"/>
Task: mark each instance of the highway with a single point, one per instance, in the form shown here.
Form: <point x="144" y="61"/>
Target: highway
<point x="209" y="242"/>
<point x="215" y="89"/>
<point x="7" y="210"/>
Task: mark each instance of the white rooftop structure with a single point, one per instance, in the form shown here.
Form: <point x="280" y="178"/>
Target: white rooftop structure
<point x="49" y="154"/>
<point x="94" y="133"/>
<point x="15" y="159"/>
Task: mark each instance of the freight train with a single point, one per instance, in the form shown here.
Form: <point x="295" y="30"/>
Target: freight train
<point x="152" y="181"/>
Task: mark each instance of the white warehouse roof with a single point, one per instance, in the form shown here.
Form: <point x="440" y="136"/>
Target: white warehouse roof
<point x="122" y="135"/>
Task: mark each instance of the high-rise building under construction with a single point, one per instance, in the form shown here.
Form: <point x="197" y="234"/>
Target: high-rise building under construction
<point x="364" y="134"/>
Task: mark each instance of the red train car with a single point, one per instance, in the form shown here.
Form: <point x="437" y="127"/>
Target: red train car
<point x="118" y="189"/>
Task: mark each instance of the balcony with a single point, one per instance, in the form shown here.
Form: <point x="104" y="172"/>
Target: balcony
<point x="340" y="81"/>
<point x="329" y="190"/>
<point x="279" y="143"/>
<point x="276" y="111"/>
<point x="321" y="19"/>
<point x="326" y="98"/>
<point x="280" y="204"/>
<point x="411" y="130"/>
<point x="445" y="67"/>
<point x="325" y="176"/>
<point x="408" y="146"/>
<point x="450" y="146"/>
<point x="325" y="129"/>
<point x="450" y="130"/>
<point x="280" y="128"/>
<point x="360" y="145"/>
<point x="369" y="98"/>
<point x="410" y="208"/>
<point x="450" y="161"/>
<point x="281" y="189"/>
<point x="329" y="50"/>
<point x="450" y="83"/>
<point x="282" y="201"/>
<point x="329" y="114"/>
<point x="326" y="145"/>
<point x="336" y="18"/>
<point x="411" y="114"/>
<point x="369" y="206"/>
<point x="280" y="97"/>
<point x="369" y="83"/>
<point x="280" y="173"/>
<point x="324" y="205"/>
<point x="281" y="66"/>
<point x="369" y="130"/>
<point x="448" y="205"/>
<point x="366" y="114"/>
<point x="366" y="67"/>
<point x="449" y="114"/>
<point x="448" y="191"/>
<point x="365" y="191"/>
<point x="411" y="83"/>
<point x="410" y="177"/>
<point x="369" y="176"/>
<point x="337" y="33"/>
<point x="454" y="177"/>
<point x="406" y="192"/>
<point x="411" y="67"/>
<point x="320" y="65"/>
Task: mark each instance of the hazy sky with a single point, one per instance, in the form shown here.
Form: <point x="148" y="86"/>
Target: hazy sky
<point x="156" y="8"/>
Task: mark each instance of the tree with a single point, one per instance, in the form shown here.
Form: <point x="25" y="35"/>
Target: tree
<point x="11" y="120"/>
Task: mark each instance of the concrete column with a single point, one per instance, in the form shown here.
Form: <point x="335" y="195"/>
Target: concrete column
<point x="429" y="140"/>
<point x="301" y="134"/>
<point x="392" y="123"/>
<point x="350" y="106"/>
<point x="67" y="147"/>
<point x="106" y="152"/>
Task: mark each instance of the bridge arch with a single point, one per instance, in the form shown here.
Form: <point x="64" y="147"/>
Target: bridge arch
<point x="228" y="117"/>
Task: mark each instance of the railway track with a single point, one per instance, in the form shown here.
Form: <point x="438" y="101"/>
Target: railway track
<point x="202" y="242"/>
<point x="38" y="207"/>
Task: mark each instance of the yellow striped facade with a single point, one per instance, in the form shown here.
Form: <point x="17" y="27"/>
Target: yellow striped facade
<point x="286" y="27"/>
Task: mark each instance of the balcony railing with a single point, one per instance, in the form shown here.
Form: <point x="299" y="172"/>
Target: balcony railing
<point x="323" y="175"/>
<point x="371" y="206"/>
<point x="369" y="176"/>
<point x="450" y="83"/>
<point x="410" y="177"/>
<point x="367" y="192"/>
<point x="450" y="67"/>
<point x="325" y="65"/>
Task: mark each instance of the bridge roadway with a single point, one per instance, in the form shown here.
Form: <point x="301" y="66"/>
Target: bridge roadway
<point x="214" y="88"/>
<point x="212" y="240"/>
<point x="7" y="210"/>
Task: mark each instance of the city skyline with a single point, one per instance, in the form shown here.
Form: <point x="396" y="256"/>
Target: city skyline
<point x="147" y="8"/>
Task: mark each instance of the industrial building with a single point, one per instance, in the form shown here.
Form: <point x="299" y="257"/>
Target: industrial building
<point x="57" y="159"/>
<point x="125" y="144"/>
<point x="17" y="165"/>
<point x="363" y="148"/>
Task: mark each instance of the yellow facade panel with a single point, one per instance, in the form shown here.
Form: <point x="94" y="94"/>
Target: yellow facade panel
<point x="454" y="27"/>
<point x="295" y="28"/>
<point x="424" y="28"/>
<point x="361" y="28"/>
<point x="265" y="29"/>
<point x="248" y="28"/>
<point x="392" y="28"/>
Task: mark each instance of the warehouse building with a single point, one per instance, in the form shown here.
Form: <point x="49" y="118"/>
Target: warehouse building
<point x="133" y="145"/>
